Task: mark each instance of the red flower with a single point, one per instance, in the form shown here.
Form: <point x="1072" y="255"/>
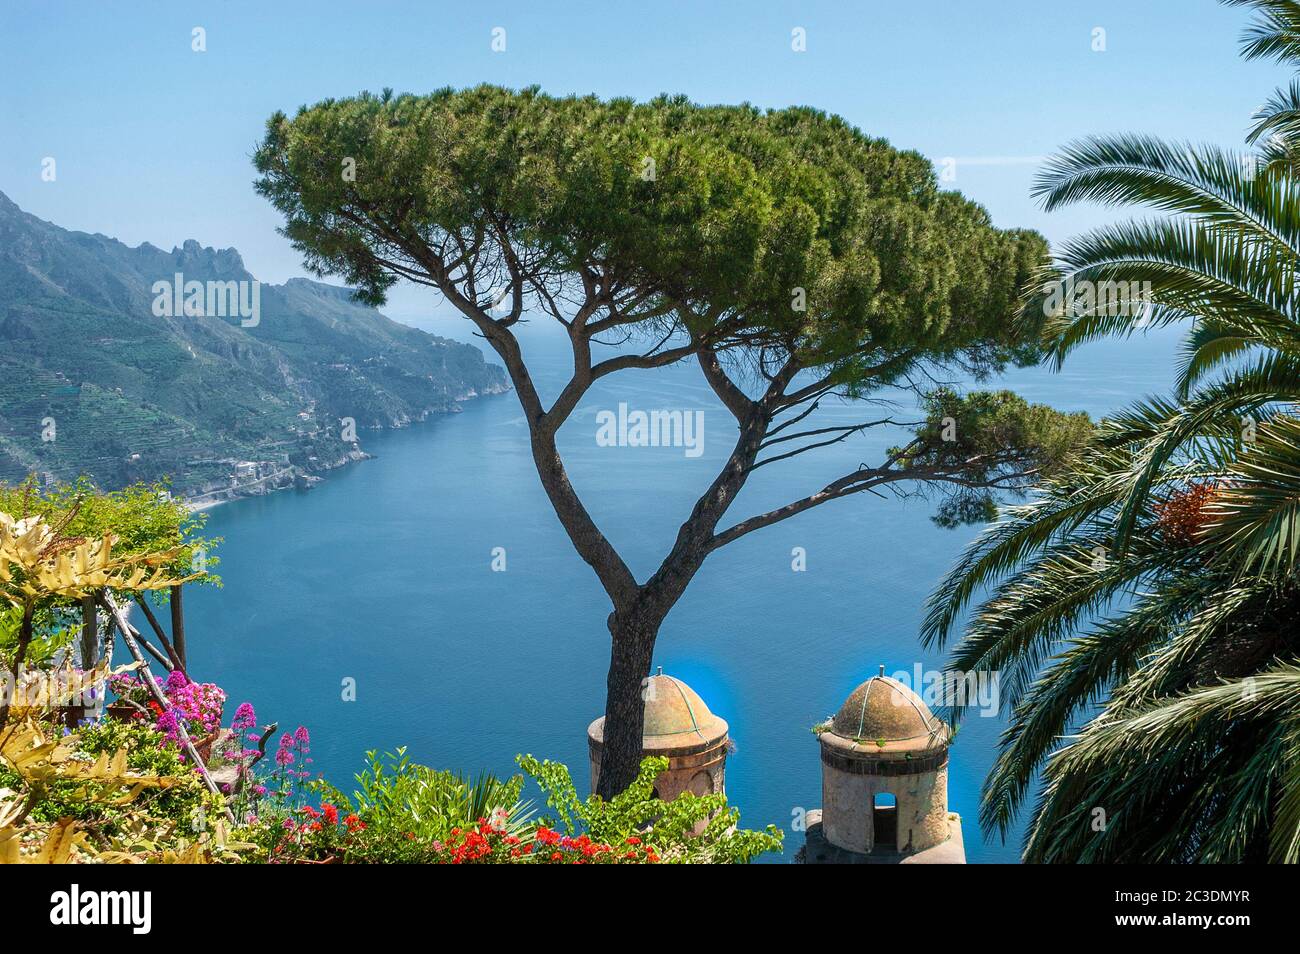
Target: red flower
<point x="331" y="814"/>
<point x="1183" y="517"/>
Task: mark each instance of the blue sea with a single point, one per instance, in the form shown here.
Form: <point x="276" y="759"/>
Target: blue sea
<point x="383" y="574"/>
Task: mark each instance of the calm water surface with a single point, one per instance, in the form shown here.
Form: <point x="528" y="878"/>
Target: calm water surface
<point x="383" y="574"/>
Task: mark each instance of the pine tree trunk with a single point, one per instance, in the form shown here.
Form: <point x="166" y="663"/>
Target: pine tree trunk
<point x="631" y="652"/>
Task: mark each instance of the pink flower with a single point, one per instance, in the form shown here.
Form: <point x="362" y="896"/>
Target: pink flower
<point x="196" y="706"/>
<point x="245" y="717"/>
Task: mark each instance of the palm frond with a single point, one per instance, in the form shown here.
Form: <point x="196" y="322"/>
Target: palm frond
<point x="1275" y="377"/>
<point x="1258" y="509"/>
<point x="1174" y="271"/>
<point x="1279" y="117"/>
<point x="1076" y="681"/>
<point x="1211" y="345"/>
<point x="1275" y="32"/>
<point x="1146" y="760"/>
<point x="1285" y="842"/>
<point x="1219" y="189"/>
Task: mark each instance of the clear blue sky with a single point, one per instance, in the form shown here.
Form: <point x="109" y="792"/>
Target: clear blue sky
<point x="152" y="140"/>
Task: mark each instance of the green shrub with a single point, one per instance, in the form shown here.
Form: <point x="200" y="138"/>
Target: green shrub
<point x="148" y="753"/>
<point x="668" y="827"/>
<point x="400" y="811"/>
<point x="403" y="812"/>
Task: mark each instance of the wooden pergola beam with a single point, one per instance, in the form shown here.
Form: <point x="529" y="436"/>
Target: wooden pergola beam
<point x="129" y="638"/>
<point x="174" y="661"/>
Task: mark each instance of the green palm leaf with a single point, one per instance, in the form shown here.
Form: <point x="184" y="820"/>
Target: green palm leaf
<point x="1275" y="33"/>
<point x="1258" y="510"/>
<point x="1157" y="759"/>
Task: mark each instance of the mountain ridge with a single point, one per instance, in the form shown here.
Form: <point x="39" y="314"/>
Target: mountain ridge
<point x="100" y="376"/>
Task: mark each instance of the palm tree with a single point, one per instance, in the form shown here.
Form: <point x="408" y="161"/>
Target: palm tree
<point x="1143" y="606"/>
<point x="1121" y="643"/>
<point x="1275" y="35"/>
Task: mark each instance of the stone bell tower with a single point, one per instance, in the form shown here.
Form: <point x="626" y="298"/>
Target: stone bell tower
<point x="884" y="782"/>
<point x="679" y="726"/>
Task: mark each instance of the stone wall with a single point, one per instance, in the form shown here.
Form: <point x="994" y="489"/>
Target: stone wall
<point x="701" y="771"/>
<point x="848" y="801"/>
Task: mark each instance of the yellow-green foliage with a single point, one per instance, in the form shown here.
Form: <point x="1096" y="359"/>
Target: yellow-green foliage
<point x="144" y="518"/>
<point x="42" y="761"/>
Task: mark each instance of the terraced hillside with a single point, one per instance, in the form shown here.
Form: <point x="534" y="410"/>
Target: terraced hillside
<point x="94" y="382"/>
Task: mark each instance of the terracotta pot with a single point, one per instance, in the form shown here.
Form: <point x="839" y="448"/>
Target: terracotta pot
<point x="70" y="716"/>
<point x="204" y="745"/>
<point x="121" y="711"/>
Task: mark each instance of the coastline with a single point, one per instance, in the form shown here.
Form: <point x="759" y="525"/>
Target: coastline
<point x="292" y="477"/>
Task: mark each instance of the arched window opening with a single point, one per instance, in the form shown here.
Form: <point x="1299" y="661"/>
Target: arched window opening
<point x="884" y="822"/>
<point x="701" y="784"/>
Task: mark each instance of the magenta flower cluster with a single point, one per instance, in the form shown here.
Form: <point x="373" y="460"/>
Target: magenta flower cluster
<point x="197" y="705"/>
<point x="245" y="717"/>
<point x="126" y="686"/>
<point x="292" y="757"/>
<point x="294" y="746"/>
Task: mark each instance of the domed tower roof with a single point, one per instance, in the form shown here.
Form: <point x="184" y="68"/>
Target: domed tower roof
<point x="675" y="717"/>
<point x="890" y="717"/>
